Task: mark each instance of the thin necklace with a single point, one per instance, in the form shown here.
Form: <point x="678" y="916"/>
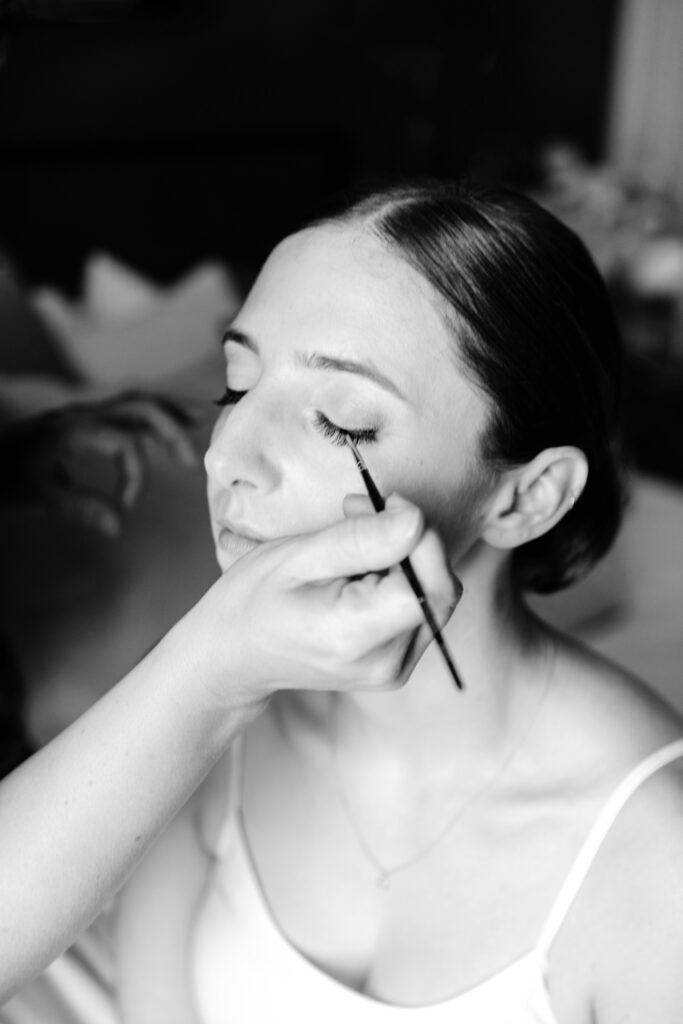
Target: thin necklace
<point x="383" y="872"/>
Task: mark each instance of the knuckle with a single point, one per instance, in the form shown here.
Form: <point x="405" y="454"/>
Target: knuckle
<point x="354" y="531"/>
<point x="343" y="642"/>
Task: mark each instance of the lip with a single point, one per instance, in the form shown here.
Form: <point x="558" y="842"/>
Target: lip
<point x="233" y="540"/>
<point x="234" y="545"/>
<point x="239" y="530"/>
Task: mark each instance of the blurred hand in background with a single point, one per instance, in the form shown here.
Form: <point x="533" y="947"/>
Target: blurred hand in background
<point x="87" y="461"/>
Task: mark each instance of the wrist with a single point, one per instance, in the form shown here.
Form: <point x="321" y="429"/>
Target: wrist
<point x="209" y="686"/>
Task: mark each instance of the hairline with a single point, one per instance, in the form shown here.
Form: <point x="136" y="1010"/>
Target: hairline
<point x="371" y="223"/>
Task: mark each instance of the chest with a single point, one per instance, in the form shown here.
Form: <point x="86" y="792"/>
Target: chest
<point x="457" y="909"/>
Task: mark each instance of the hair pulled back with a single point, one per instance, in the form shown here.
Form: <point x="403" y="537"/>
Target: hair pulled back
<point x="535" y="332"/>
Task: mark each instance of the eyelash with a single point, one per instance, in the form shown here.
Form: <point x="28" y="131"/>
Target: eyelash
<point x="229" y="397"/>
<point x="338" y="435"/>
<point x="329" y="429"/>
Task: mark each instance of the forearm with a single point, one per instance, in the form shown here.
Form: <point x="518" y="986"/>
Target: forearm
<point x="77" y="817"/>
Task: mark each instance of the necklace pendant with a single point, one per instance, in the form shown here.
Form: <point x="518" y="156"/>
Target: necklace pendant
<point x="382" y="880"/>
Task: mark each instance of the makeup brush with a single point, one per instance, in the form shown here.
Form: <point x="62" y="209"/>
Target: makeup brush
<point x="379" y="504"/>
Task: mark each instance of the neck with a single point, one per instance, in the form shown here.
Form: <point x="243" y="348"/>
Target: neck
<point x="504" y="657"/>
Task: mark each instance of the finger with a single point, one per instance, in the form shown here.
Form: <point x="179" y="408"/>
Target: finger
<point x="395" y="501"/>
<point x="184" y="410"/>
<point x="120" y="446"/>
<point x="154" y="418"/>
<point x="357" y="545"/>
<point x="355" y="587"/>
<point x="388" y="666"/>
<point x="360" y="504"/>
<point x="132" y="467"/>
<point x="390" y="630"/>
<point x="418" y="643"/>
<point x="430" y="565"/>
<point x="95" y="437"/>
<point x="408" y="656"/>
<point x="379" y="613"/>
<point x="357" y="505"/>
<point x="84" y="508"/>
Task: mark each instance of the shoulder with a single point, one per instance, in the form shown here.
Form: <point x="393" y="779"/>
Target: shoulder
<point x="641" y="881"/>
<point x="627" y="923"/>
<point x="604" y="718"/>
<point x="649" y="828"/>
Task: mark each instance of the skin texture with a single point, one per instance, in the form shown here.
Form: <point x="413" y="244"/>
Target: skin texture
<point x="306" y="612"/>
<point x="265" y="626"/>
<point x="287" y="477"/>
<point x="543" y="733"/>
<point x="407" y="759"/>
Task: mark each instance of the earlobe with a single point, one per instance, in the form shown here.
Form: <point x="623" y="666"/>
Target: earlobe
<point x="532" y="498"/>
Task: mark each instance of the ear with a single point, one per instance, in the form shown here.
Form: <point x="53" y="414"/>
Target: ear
<point x="531" y="498"/>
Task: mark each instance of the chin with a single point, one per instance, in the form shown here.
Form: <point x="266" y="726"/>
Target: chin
<point x="230" y="547"/>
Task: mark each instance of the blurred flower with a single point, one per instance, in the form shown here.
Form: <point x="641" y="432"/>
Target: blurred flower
<point x="633" y="231"/>
<point x="125" y="331"/>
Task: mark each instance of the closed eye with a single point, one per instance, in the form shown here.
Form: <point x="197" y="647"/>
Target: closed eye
<point x="330" y="430"/>
<point x="338" y="435"/>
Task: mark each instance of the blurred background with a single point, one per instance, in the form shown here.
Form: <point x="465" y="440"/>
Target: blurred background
<point x="152" y="153"/>
<point x="197" y="127"/>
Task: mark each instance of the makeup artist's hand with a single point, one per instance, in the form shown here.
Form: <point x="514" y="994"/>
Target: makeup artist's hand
<point x="318" y="611"/>
<point x="315" y="611"/>
<point x="41" y="456"/>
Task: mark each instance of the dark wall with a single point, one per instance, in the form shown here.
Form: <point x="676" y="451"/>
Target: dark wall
<point x="192" y="129"/>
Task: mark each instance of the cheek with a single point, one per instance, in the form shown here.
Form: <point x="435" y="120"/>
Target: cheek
<point x="451" y="497"/>
<point x="461" y="525"/>
<point x="313" y="494"/>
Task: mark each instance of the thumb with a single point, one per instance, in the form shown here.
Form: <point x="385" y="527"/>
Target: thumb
<point x="360" y="544"/>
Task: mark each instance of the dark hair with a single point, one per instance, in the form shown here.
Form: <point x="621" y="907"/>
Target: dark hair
<point x="536" y="333"/>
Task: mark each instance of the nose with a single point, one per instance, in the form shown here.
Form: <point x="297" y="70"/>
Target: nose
<point x="242" y="452"/>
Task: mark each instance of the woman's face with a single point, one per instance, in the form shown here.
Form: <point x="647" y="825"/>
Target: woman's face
<point x="337" y="332"/>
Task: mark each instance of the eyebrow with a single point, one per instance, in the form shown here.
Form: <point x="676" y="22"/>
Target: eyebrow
<point x="317" y="361"/>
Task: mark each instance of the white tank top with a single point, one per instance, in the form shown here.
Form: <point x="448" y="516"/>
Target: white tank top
<point x="244" y="970"/>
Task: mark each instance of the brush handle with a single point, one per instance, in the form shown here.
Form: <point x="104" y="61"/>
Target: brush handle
<point x="378" y="502"/>
<point x="379" y="505"/>
<point x="416" y="588"/>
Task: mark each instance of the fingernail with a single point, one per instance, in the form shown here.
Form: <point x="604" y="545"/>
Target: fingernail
<point x="396" y="501"/>
<point x="402" y="523"/>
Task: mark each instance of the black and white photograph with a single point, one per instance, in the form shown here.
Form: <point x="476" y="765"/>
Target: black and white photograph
<point x="341" y="512"/>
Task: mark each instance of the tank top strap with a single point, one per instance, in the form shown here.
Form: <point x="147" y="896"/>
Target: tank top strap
<point x="596" y="836"/>
<point x="235" y="769"/>
<point x="222" y="801"/>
